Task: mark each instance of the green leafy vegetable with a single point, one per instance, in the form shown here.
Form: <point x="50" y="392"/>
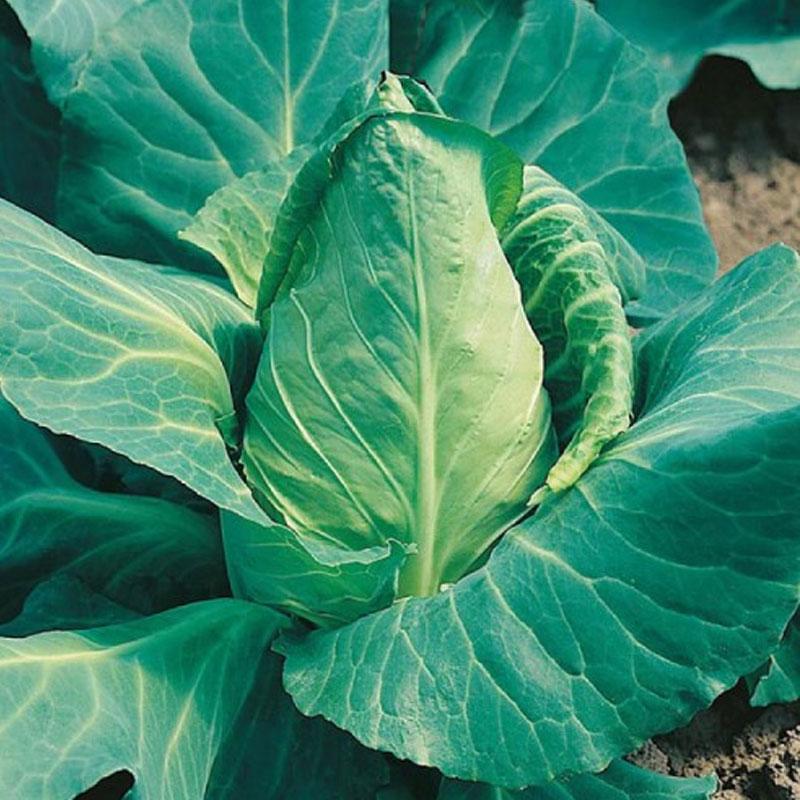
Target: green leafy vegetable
<point x="145" y="553"/>
<point x="110" y="356"/>
<point x="237" y="220"/>
<point x="65" y="603"/>
<point x="487" y="529"/>
<point x="765" y="33"/>
<point x="323" y="582"/>
<point x="28" y="126"/>
<point x="274" y="752"/>
<point x="571" y="296"/>
<point x="779" y="681"/>
<point x="64" y="34"/>
<point x="178" y="97"/>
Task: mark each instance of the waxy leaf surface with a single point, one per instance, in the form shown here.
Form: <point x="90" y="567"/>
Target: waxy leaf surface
<point x="236" y="222"/>
<point x="779" y="681"/>
<point x="177" y="98"/>
<point x="269" y="750"/>
<point x="146" y="553"/>
<point x="569" y="290"/>
<point x="765" y="33"/>
<point x="134" y="359"/>
<point x="29" y="145"/>
<point x="274" y="752"/>
<point x="319" y="581"/>
<point x="621" y="781"/>
<point x="63" y="34"/>
<point x="65" y="603"/>
<point x="155" y="696"/>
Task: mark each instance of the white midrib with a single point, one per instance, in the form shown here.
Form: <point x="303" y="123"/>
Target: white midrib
<point x="422" y="578"/>
<point x="288" y="100"/>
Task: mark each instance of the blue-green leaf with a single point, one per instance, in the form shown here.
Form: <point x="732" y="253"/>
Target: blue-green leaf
<point x="570" y="292"/>
<point x="102" y="469"/>
<point x="779" y="680"/>
<point x="269" y="751"/>
<point x="134" y="359"/>
<point x="620" y="781"/>
<point x="362" y="102"/>
<point x="627" y="603"/>
<point x="63" y="33"/>
<point x="775" y="60"/>
<point x="407" y="20"/>
<point x="235" y="223"/>
<point x="627" y="270"/>
<point x="65" y="603"/>
<point x="145" y="553"/>
<point x="275" y="753"/>
<point x="765" y="33"/>
<point x="157" y="696"/>
<point x="209" y="309"/>
<point x="29" y="126"/>
<point x="557" y="84"/>
<point x="177" y="98"/>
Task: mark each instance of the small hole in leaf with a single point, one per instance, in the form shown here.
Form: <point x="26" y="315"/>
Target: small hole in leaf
<point x="112" y="787"/>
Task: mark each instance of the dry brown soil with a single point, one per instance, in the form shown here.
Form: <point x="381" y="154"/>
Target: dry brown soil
<point x="743" y="144"/>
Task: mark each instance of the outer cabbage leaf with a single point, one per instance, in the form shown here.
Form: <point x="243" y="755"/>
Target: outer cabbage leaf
<point x="145" y="553"/>
<point x="122" y="358"/>
<point x="627" y="270"/>
<point x="621" y="781"/>
<point x="274" y="752"/>
<point x="207" y="306"/>
<point x="156" y="696"/>
<point x="569" y="289"/>
<point x="779" y="680"/>
<point x="29" y="144"/>
<point x="102" y="469"/>
<point x="774" y="61"/>
<point x="176" y="98"/>
<point x="400" y="358"/>
<point x="63" y="33"/>
<point x="612" y="614"/>
<point x="407" y="19"/>
<point x="270" y="751"/>
<point x="557" y="84"/>
<point x="65" y="603"/>
<point x="765" y="33"/>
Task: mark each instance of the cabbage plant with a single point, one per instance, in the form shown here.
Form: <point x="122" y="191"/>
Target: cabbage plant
<point x="369" y="490"/>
